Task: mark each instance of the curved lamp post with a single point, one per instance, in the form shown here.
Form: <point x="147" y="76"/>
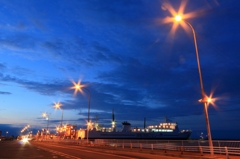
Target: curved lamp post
<point x="205" y="100"/>
<point x="79" y="87"/>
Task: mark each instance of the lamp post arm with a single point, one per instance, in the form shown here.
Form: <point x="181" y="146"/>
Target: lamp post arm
<point x="198" y="60"/>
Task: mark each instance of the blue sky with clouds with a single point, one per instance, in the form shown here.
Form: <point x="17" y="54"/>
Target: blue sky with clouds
<point x="130" y="59"/>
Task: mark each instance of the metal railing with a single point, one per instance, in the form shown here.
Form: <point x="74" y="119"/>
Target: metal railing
<point x="171" y="147"/>
<point x="216" y="143"/>
<point x="199" y="147"/>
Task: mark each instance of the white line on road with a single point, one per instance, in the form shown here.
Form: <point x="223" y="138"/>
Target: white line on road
<point x="97" y="152"/>
<point x="60" y="153"/>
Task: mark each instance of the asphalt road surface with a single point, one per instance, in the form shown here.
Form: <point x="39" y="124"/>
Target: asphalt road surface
<point x="18" y="150"/>
<point x="43" y="150"/>
<point x="48" y="150"/>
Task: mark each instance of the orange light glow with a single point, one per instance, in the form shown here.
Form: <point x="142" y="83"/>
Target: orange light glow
<point x="57" y="105"/>
<point x="211" y="100"/>
<point x="89" y="124"/>
<point x="77" y="87"/>
<point x="44" y="114"/>
<point x="177" y="17"/>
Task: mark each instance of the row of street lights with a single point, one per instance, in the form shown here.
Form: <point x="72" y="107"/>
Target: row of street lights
<point x="78" y="88"/>
<point x="205" y="100"/>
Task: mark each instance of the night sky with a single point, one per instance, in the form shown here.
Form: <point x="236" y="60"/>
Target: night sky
<point x="131" y="56"/>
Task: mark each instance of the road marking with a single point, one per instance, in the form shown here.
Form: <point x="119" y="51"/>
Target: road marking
<point x="95" y="152"/>
<point x="60" y="153"/>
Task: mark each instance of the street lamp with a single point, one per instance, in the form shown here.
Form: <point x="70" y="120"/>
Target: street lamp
<point x="205" y="100"/>
<point x="79" y="87"/>
<point x="58" y="106"/>
<point x="46" y="116"/>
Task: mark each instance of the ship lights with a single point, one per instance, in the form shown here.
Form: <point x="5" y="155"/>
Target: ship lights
<point x="113" y="123"/>
<point x="162" y="130"/>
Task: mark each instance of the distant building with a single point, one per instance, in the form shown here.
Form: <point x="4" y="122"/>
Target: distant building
<point x="67" y="131"/>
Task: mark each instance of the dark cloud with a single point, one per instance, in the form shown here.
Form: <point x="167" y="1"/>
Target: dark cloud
<point x="5" y="93"/>
<point x="18" y="41"/>
<point x="21" y="71"/>
<point x="48" y="88"/>
<point x="2" y="66"/>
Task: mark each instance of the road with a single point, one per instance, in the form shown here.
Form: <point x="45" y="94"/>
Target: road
<point x="46" y="150"/>
<point x="42" y="150"/>
<point x="19" y="150"/>
<point x="91" y="152"/>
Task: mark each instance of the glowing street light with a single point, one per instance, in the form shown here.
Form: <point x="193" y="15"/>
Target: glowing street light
<point x="58" y="106"/>
<point x="79" y="87"/>
<point x="178" y="18"/>
<point x="46" y="116"/>
<point x="205" y="100"/>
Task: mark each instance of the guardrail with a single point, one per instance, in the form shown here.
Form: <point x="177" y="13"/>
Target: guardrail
<point x="165" y="146"/>
<point x="216" y="143"/>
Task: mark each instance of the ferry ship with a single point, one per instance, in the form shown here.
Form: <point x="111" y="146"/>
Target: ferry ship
<point x="165" y="130"/>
